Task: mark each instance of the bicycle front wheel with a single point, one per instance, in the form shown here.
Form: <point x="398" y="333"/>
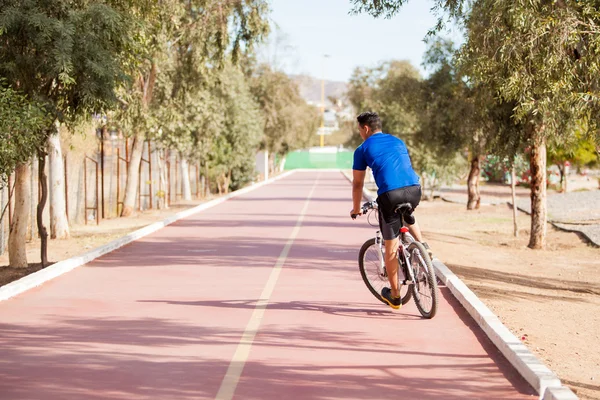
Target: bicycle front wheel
<point x="373" y="275"/>
<point x="425" y="289"/>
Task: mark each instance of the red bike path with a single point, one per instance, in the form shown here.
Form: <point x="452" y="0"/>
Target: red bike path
<point x="258" y="297"/>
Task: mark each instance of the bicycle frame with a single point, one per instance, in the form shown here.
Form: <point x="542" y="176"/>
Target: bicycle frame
<point x="403" y="257"/>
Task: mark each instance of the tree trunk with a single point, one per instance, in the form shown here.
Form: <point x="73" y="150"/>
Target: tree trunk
<point x="186" y="188"/>
<point x="133" y="176"/>
<point x="40" y="209"/>
<point x="162" y="202"/>
<point x="59" y="225"/>
<point x="566" y="173"/>
<point x="206" y="181"/>
<point x="271" y="163"/>
<point x="17" y="251"/>
<point x="474" y="200"/>
<point x="513" y="192"/>
<point x="227" y="182"/>
<point x="537" y="239"/>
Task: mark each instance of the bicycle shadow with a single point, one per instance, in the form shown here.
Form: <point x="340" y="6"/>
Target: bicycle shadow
<point x="337" y="309"/>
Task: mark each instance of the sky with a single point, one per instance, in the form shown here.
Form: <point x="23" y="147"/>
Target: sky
<point x="306" y="30"/>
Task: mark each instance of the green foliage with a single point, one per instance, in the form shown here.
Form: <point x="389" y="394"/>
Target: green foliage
<point x="20" y="122"/>
<point x="449" y="117"/>
<point x="289" y="122"/>
<point x="389" y="89"/>
<point x="65" y="55"/>
<point x="236" y="142"/>
<point x="580" y="153"/>
<point x="430" y="116"/>
<point x="543" y="57"/>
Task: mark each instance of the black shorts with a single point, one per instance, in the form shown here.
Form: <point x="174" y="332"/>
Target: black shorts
<point x="389" y="221"/>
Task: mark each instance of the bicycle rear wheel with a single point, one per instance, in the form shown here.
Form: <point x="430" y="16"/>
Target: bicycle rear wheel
<point x="368" y="264"/>
<point x="424" y="289"/>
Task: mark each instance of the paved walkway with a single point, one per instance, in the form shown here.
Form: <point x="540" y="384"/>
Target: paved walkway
<point x="257" y="298"/>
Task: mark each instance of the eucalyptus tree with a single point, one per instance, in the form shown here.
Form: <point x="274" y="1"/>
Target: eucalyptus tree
<point x="66" y="56"/>
<point x="20" y="123"/>
<point x="237" y="140"/>
<point x="405" y="103"/>
<point x="541" y="56"/>
<point x="289" y="122"/>
<point x="197" y="36"/>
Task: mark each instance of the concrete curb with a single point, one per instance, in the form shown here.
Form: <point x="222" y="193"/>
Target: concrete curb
<point x="37" y="278"/>
<point x="540" y="377"/>
<point x="561" y="393"/>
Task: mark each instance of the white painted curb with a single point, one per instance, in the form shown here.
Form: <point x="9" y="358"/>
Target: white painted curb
<point x="37" y="278"/>
<point x="528" y="365"/>
<point x="561" y="393"/>
<point x="540" y="377"/>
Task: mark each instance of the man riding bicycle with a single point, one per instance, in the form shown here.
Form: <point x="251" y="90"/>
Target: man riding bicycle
<point x="397" y="184"/>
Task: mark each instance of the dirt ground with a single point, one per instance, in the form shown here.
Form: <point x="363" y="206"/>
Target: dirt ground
<point x="548" y="298"/>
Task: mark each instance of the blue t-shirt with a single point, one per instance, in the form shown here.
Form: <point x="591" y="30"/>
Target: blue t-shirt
<point x="388" y="158"/>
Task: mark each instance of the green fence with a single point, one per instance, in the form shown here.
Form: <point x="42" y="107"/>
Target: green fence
<point x="316" y="158"/>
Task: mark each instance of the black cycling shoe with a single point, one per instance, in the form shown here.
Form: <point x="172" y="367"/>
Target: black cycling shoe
<point x="394" y="302"/>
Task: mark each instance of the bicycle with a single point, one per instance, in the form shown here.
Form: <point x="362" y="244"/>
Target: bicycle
<point x="416" y="281"/>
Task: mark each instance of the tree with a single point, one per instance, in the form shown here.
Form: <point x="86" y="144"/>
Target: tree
<point x="289" y="122"/>
<point x="196" y="37"/>
<point x="540" y="56"/>
<point x="20" y="122"/>
<point x="580" y="153"/>
<point x="236" y="142"/>
<point x="66" y="56"/>
<point x="450" y="120"/>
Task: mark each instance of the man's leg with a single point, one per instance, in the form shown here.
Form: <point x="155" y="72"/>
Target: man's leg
<point x="391" y="264"/>
<point x="415" y="231"/>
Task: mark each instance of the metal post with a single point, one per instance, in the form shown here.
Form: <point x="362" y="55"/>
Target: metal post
<point x="85" y="189"/>
<point x="149" y="195"/>
<point x="9" y="200"/>
<point x="102" y="165"/>
<point x="32" y="204"/>
<point x="97" y="198"/>
<point x="119" y="159"/>
<point x="2" y="205"/>
<point x="198" y="180"/>
<point x="66" y="187"/>
<point x="168" y="162"/>
<point x="140" y="186"/>
<point x="150" y="172"/>
<point x="177" y="177"/>
<point x="118" y="176"/>
<point x="86" y="208"/>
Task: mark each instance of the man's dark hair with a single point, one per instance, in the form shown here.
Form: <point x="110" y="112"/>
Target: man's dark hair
<point x="371" y="119"/>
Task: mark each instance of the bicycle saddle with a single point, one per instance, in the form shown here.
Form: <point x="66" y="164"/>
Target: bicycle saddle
<point x="405" y="210"/>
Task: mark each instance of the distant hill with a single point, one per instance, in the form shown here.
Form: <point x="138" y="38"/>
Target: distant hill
<point x="310" y="89"/>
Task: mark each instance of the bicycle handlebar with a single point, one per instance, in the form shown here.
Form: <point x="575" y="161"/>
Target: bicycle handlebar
<point x="369" y="205"/>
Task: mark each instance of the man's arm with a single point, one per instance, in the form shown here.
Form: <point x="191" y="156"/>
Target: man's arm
<point x="358" y="180"/>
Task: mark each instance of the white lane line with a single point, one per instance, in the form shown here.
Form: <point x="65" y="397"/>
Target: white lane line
<point x="236" y="366"/>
